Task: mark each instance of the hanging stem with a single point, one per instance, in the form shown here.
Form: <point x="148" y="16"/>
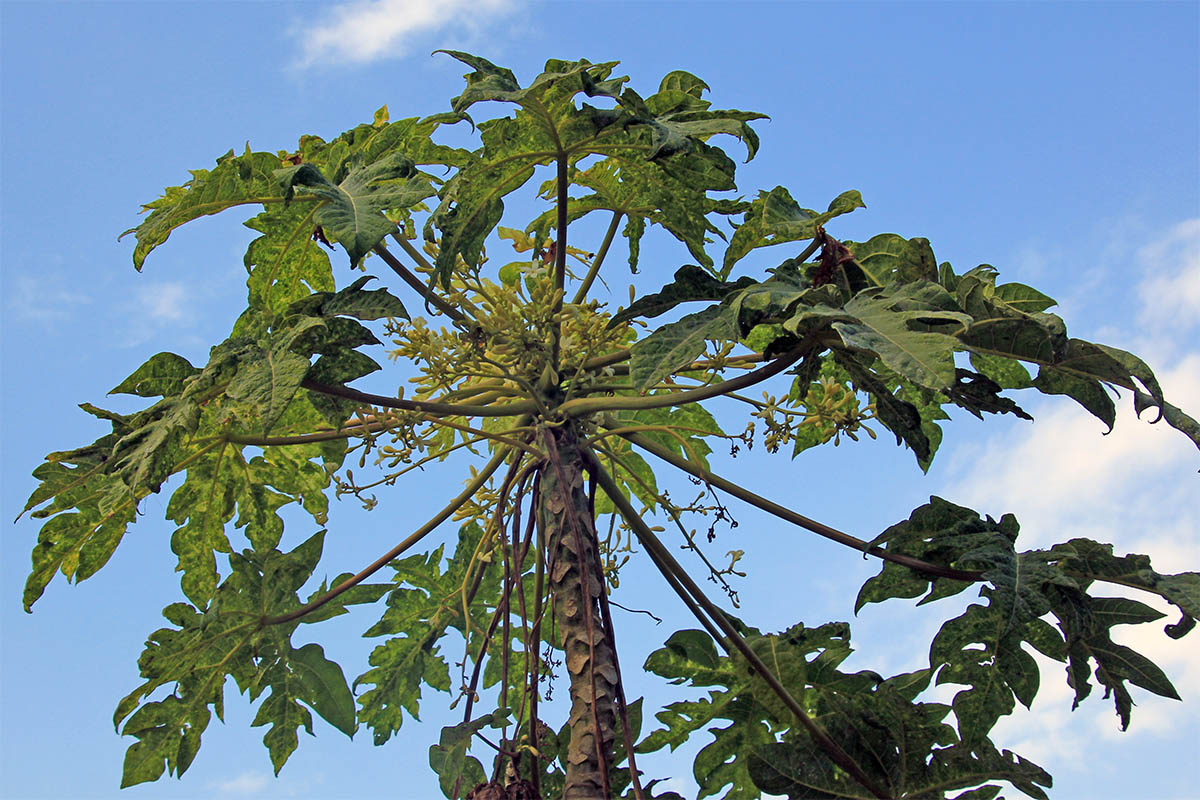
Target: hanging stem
<point x="673" y="513"/>
<point x="686" y="598"/>
<point x="495" y="524"/>
<point x="520" y="548"/>
<point x="560" y="259"/>
<point x="560" y="248"/>
<point x="501" y="608"/>
<point x="535" y="640"/>
<point x="819" y="528"/>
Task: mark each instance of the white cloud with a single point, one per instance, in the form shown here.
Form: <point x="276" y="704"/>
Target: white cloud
<point x="244" y="784"/>
<point x="162" y="301"/>
<point x="150" y="306"/>
<point x="1170" y="292"/>
<point x="46" y="297"/>
<point x="368" y="30"/>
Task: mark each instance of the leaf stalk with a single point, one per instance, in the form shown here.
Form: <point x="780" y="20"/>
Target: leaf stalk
<point x="417" y="535"/>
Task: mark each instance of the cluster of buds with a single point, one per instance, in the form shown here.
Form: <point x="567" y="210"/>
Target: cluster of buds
<point x="833" y="409"/>
<point x="828" y="410"/>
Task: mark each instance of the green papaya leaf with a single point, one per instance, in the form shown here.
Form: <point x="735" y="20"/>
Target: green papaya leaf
<point x="368" y="304"/>
<point x="678" y="344"/>
<point x="236" y="180"/>
<point x="161" y="375"/>
<point x="352" y="214"/>
<point x="774" y="218"/>
<point x="269" y="380"/>
<point x="324" y="687"/>
<point x="691" y="283"/>
<point x="285" y="263"/>
<point x="448" y="758"/>
<point x="923" y="357"/>
<point x="888" y="258"/>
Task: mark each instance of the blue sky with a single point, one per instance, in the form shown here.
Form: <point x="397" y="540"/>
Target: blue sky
<point x="1057" y="141"/>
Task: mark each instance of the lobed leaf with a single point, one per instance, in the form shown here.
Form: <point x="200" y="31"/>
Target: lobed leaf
<point x="417" y="616"/>
<point x="923" y="357"/>
<point x="983" y="648"/>
<point x="285" y="263"/>
<point x="774" y="218"/>
<point x="227" y="638"/>
<point x="352" y="214"/>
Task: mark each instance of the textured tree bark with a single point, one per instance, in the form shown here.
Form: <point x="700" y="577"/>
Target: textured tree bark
<point x="571" y="542"/>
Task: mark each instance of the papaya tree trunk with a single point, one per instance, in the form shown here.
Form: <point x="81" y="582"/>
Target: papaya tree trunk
<point x="575" y="586"/>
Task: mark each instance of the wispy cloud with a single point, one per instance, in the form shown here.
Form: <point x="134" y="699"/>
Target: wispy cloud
<point x="244" y="784"/>
<point x="163" y="301"/>
<point x="152" y="305"/>
<point x="369" y="30"/>
<point x="45" y="298"/>
<point x="1170" y="292"/>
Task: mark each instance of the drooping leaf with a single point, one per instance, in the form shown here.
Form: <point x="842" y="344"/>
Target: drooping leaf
<point x="1082" y="370"/>
<point x="1007" y="373"/>
<point x="1096" y="561"/>
<point x="979" y="394"/>
<point x="79" y="542"/>
<point x="449" y="760"/>
<point x="897" y="414"/>
<point x="1091" y="394"/>
<point x="1173" y="415"/>
<point x="423" y="605"/>
<point x="902" y="745"/>
<point x="983" y="648"/>
<point x="236" y="180"/>
<point x="285" y="264"/>
<point x="691" y="284"/>
<point x="324" y="687"/>
<point x="146" y="454"/>
<point x="204" y="646"/>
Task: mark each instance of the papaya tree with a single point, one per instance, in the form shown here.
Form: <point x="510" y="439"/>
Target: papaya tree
<point x="571" y="402"/>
